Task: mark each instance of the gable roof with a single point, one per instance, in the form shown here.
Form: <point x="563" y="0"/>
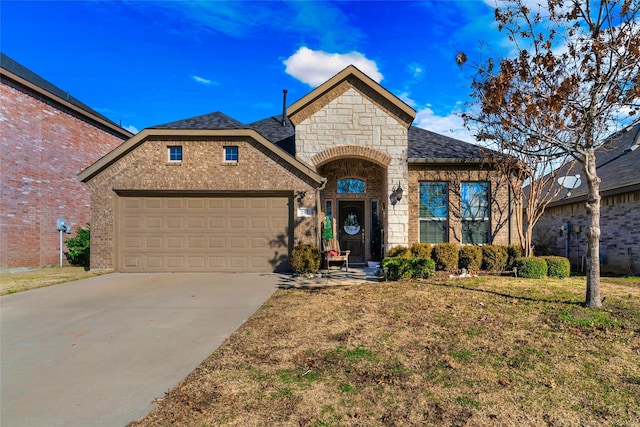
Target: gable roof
<point x="215" y="120"/>
<point x="352" y="74"/>
<point x="617" y="163"/>
<point x="16" y="72"/>
<point x="272" y="129"/>
<point x="182" y="132"/>
<point x="430" y="147"/>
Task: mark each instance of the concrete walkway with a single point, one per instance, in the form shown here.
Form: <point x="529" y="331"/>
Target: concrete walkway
<point x="96" y="352"/>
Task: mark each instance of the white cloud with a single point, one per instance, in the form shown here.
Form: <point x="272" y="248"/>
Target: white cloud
<point x="450" y="125"/>
<point x="203" y="81"/>
<point x="314" y="67"/>
<point x="416" y="70"/>
<point x="132" y="129"/>
<point x="405" y="96"/>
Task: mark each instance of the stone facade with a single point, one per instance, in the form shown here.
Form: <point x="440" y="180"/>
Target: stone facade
<point x="146" y="170"/>
<point x="620" y="234"/>
<point x="45" y="144"/>
<point x="353" y="120"/>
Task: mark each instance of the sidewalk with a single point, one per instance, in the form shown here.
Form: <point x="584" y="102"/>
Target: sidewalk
<point x="358" y="275"/>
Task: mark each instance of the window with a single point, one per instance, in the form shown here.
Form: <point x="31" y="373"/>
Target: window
<point x="475" y="212"/>
<point x="433" y="212"/>
<point x="175" y="153"/>
<point x="231" y="154"/>
<point x="351" y="186"/>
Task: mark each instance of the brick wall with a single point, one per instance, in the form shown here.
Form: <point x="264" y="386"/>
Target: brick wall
<point x="503" y="230"/>
<point x="146" y="168"/>
<point x="43" y="147"/>
<point x="619" y="227"/>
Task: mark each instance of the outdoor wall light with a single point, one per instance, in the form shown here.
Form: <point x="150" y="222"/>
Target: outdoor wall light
<point x="396" y="194"/>
<point x="301" y="195"/>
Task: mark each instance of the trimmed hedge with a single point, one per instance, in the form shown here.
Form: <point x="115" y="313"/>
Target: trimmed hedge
<point x="446" y="256"/>
<point x="399" y="251"/>
<point x="470" y="257"/>
<point x="408" y="268"/>
<point x="421" y="250"/>
<point x="558" y="267"/>
<point x="305" y="259"/>
<point x="513" y="252"/>
<point x="531" y="268"/>
<point x="494" y="258"/>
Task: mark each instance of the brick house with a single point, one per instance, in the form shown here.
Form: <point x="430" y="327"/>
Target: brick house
<point x="212" y="194"/>
<point x="617" y="165"/>
<point x="47" y="138"/>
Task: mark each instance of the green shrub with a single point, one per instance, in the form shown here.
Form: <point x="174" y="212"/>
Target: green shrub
<point x="305" y="259"/>
<point x="494" y="258"/>
<point x="446" y="256"/>
<point x="399" y="251"/>
<point x="513" y="252"/>
<point x="470" y="257"/>
<point x="421" y="250"/>
<point x="399" y="268"/>
<point x="531" y="268"/>
<point x="422" y="268"/>
<point x="558" y="267"/>
<point x="79" y="247"/>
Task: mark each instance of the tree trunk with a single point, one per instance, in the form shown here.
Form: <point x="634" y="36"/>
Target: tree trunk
<point x="593" y="231"/>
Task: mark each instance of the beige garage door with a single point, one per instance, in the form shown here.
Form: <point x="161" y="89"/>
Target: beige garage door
<point x="226" y="234"/>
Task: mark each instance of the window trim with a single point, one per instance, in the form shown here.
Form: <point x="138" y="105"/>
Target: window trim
<point x="471" y="220"/>
<point x="170" y="148"/>
<point x="226" y="150"/>
<point x="444" y="220"/>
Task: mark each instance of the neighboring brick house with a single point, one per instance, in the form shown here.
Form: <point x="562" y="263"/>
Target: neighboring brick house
<point x="47" y="138"/>
<point x="212" y="194"/>
<point x="618" y="163"/>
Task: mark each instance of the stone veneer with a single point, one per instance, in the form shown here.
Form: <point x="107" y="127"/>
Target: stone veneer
<point x="353" y="119"/>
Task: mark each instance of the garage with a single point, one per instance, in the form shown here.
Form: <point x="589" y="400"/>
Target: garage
<point x="198" y="233"/>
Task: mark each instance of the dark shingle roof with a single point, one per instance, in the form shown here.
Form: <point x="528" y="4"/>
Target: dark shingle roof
<point x="424" y="144"/>
<point x="272" y="129"/>
<point x="28" y="75"/>
<point x="216" y="120"/>
<point x="617" y="166"/>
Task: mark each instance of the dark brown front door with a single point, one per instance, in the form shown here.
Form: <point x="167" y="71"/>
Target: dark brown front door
<point x="351" y="228"/>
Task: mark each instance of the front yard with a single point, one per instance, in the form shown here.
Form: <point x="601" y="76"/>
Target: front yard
<point x="37" y="278"/>
<point x="474" y="352"/>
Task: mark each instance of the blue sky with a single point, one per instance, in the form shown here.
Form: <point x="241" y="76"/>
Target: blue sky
<point x="145" y="63"/>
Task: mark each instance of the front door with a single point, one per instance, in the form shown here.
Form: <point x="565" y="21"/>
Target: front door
<point x="351" y="228"/>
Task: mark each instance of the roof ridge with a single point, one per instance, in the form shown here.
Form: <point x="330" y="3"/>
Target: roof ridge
<point x="23" y="72"/>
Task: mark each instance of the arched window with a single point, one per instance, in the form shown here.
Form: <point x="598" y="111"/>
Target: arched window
<point x="351" y="186"/>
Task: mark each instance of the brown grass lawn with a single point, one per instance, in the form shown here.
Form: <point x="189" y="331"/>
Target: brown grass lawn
<point x="23" y="281"/>
<point x="469" y="352"/>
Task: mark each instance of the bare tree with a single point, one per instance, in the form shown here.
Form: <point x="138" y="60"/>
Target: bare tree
<point x="572" y="75"/>
<point x="538" y="174"/>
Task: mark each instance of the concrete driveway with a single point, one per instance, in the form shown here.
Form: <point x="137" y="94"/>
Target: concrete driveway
<point x="96" y="352"/>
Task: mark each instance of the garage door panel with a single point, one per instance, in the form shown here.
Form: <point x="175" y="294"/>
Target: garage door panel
<point x="227" y="234"/>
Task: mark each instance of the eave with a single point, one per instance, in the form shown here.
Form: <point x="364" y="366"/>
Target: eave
<point x="120" y="151"/>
